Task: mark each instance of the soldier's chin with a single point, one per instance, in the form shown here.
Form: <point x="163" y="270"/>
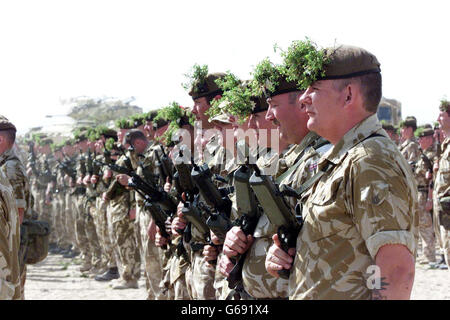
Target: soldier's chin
<point x="311" y="124"/>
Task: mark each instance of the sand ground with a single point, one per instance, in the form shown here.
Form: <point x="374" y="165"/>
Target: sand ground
<point x="57" y="278"/>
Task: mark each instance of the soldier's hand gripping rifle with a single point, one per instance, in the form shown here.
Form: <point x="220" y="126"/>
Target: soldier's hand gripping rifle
<point x="247" y="207"/>
<point x="278" y="212"/>
<point x="155" y="195"/>
<point x="219" y="218"/>
<point x="194" y="216"/>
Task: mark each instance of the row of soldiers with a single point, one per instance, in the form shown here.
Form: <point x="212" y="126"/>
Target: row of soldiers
<point x="286" y="186"/>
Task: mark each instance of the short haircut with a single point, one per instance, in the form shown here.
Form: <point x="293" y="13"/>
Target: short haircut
<point x="370" y="85"/>
<point x="10" y="135"/>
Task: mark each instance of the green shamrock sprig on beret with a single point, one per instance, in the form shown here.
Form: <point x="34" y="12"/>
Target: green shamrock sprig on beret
<point x="123" y="123"/>
<point x="444" y="105"/>
<point x="137" y="120"/>
<point x="266" y="78"/>
<point x="196" y="77"/>
<point x="303" y="63"/>
<point x="176" y="116"/>
<point x="110" y="144"/>
<point x="236" y="99"/>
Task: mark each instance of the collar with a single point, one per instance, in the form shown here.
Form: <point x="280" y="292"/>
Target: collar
<point x="295" y="151"/>
<point x="6" y="156"/>
<point x="355" y="135"/>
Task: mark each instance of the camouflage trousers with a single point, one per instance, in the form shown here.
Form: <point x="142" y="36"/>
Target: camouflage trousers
<point x="59" y="212"/>
<point x="442" y="235"/>
<point x="165" y="256"/>
<point x="178" y="267"/>
<point x="91" y="233"/>
<point x="84" y="233"/>
<point x="101" y="222"/>
<point x="70" y="220"/>
<point x="123" y="240"/>
<point x="200" y="278"/>
<point x="150" y="258"/>
<point x="426" y="229"/>
<point x="221" y="283"/>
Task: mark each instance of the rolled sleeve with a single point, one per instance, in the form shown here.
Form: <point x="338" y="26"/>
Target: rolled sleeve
<point x="379" y="239"/>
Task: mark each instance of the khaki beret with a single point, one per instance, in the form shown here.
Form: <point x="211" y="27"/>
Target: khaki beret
<point x="349" y="61"/>
<point x="5" y="124"/>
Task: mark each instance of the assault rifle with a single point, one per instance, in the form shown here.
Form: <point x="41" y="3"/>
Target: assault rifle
<point x="64" y="166"/>
<point x="152" y="194"/>
<point x="278" y="212"/>
<point x="217" y="198"/>
<point x="164" y="166"/>
<point x="247" y="207"/>
<point x="193" y="215"/>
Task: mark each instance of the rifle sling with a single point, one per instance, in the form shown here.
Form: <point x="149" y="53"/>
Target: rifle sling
<point x="317" y="144"/>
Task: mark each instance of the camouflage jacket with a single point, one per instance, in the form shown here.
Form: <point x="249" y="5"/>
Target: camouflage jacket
<point x="421" y="167"/>
<point x="366" y="199"/>
<point x="16" y="174"/>
<point x="442" y="182"/>
<point x="9" y="242"/>
<point x="257" y="282"/>
<point x="410" y="149"/>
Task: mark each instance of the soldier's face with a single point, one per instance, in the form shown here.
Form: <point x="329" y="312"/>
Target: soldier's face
<point x="425" y="142"/>
<point x="322" y="101"/>
<point x="444" y="121"/>
<point x="407" y="133"/>
<point x="288" y="116"/>
<point x="201" y="105"/>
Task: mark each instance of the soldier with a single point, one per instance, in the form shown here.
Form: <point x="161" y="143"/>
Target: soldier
<point x="10" y="199"/>
<point x="361" y="211"/>
<point x="442" y="187"/>
<point x="203" y="89"/>
<point x="424" y="179"/>
<point x="149" y="252"/>
<point x="409" y="148"/>
<point x="391" y="131"/>
<point x="102" y="184"/>
<point x="295" y="166"/>
<point x="70" y="212"/>
<point x="120" y="223"/>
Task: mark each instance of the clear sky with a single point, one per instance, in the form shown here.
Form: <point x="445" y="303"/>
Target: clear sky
<point x="54" y="50"/>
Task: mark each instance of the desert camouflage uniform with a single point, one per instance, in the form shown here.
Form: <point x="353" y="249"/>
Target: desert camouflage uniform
<point x="122" y="229"/>
<point x="151" y="255"/>
<point x="80" y="218"/>
<point x="70" y="213"/>
<point x="410" y="149"/>
<point x="200" y="276"/>
<point x="367" y="199"/>
<point x="101" y="222"/>
<point x="90" y="200"/>
<point x="442" y="189"/>
<point x="16" y="174"/>
<point x="425" y="220"/>
<point x="59" y="206"/>
<point x="257" y="282"/>
<point x="9" y="242"/>
<point x="44" y="209"/>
